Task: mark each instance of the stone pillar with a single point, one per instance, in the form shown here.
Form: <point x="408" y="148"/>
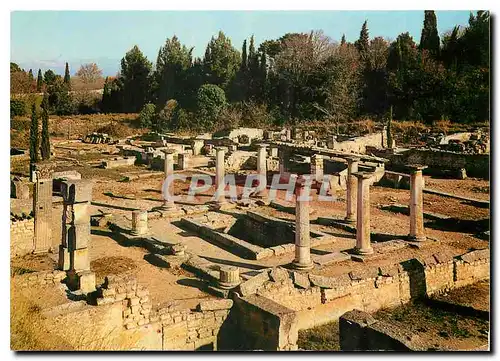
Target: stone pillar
<point x="302" y="228"/>
<point x="219" y="173"/>
<point x="183" y="160"/>
<point x="352" y="184"/>
<point x="262" y="168"/>
<point x="363" y="244"/>
<point x="283" y="160"/>
<point x="42" y="208"/>
<point x="168" y="170"/>
<point x="197" y="144"/>
<point x="139" y="222"/>
<point x="229" y="277"/>
<point x="317" y="167"/>
<point x="73" y="252"/>
<point x="273" y="152"/>
<point x="417" y="232"/>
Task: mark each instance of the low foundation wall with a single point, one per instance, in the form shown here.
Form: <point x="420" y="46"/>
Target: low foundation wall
<point x="22" y="234"/>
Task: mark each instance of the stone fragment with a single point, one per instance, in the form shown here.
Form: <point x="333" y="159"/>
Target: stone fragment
<point x="301" y="280"/>
<point x="250" y="286"/>
<point x="279" y="274"/>
<point x="213" y="305"/>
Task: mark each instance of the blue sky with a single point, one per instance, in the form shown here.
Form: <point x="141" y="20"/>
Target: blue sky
<point x="47" y="39"/>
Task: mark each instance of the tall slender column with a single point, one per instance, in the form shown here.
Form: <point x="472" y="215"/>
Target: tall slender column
<point x="363" y="244"/>
<point x="168" y="168"/>
<point x="262" y="169"/>
<point x="417" y="232"/>
<point x="317" y="167"/>
<point x="302" y="228"/>
<point x="219" y="174"/>
<point x="42" y="208"/>
<point x="352" y="183"/>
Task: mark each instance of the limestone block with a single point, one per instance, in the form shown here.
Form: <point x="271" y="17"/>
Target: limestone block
<point x="87" y="281"/>
<point x="79" y="213"/>
<point x="213" y="305"/>
<point x="80" y="260"/>
<point x="278" y="274"/>
<point x="76" y="191"/>
<point x="301" y="280"/>
<point x="64" y="258"/>
<point x="78" y="236"/>
<point x="250" y="286"/>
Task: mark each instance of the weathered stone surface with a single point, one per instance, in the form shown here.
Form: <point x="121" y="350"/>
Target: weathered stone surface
<point x="301" y="280"/>
<point x="87" y="281"/>
<point x="76" y="191"/>
<point x="279" y="274"/>
<point x="389" y="270"/>
<point x="476" y="255"/>
<point x="322" y="281"/>
<point x="213" y="305"/>
<point x="250" y="286"/>
<point x="330" y="258"/>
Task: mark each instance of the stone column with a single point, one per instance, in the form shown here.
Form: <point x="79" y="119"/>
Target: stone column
<point x="229" y="277"/>
<point x="352" y="184"/>
<point x="139" y="222"/>
<point x="317" y="167"/>
<point x="42" y="208"/>
<point x="262" y="168"/>
<point x="73" y="252"/>
<point x="363" y="244"/>
<point x="417" y="232"/>
<point x="219" y="173"/>
<point x="168" y="170"/>
<point x="183" y="160"/>
<point x="302" y="228"/>
<point x="283" y="155"/>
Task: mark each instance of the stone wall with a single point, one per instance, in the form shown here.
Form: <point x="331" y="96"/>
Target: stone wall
<point x="318" y="299"/>
<point x="44" y="278"/>
<point x="177" y="327"/>
<point x="359" y="144"/>
<point x="22" y="234"/>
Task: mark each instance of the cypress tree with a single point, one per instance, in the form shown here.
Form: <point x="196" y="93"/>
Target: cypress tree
<point x="34" y="142"/>
<point x="430" y="38"/>
<point x="45" y="150"/>
<point x="39" y="81"/>
<point x="342" y="42"/>
<point x="244" y="61"/>
<point x="67" y="77"/>
<point x="362" y="43"/>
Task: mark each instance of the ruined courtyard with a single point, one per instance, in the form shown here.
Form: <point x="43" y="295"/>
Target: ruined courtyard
<point x="106" y="257"/>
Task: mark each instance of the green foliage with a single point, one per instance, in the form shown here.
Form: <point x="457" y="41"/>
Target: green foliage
<point x="49" y="77"/>
<point x="59" y="99"/>
<point x="34" y="139"/>
<point x="45" y="149"/>
<point x="147" y="115"/>
<point x="39" y="81"/>
<point x="134" y="80"/>
<point x="221" y="61"/>
<point x="211" y="102"/>
<point x="14" y="68"/>
<point x="17" y="107"/>
<point x="67" y="78"/>
<point x="430" y="39"/>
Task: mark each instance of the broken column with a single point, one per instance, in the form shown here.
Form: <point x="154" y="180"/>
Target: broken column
<point x="283" y="155"/>
<point x="219" y="174"/>
<point x="183" y="160"/>
<point x="352" y="183"/>
<point x="317" y="167"/>
<point x="417" y="232"/>
<point x="262" y="169"/>
<point x="168" y="169"/>
<point x="42" y="208"/>
<point x="73" y="252"/>
<point x="363" y="244"/>
<point x="139" y="222"/>
<point x="229" y="277"/>
<point x="302" y="229"/>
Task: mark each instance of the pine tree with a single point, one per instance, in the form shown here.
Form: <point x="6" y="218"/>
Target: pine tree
<point x="45" y="149"/>
<point x="430" y="38"/>
<point x="362" y="43"/>
<point x="342" y="42"/>
<point x="34" y="141"/>
<point x="39" y="81"/>
<point x="67" y="76"/>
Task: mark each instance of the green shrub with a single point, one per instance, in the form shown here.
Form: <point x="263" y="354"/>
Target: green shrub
<point x="147" y="115"/>
<point x="17" y="107"/>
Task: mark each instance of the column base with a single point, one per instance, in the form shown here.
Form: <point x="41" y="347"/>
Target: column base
<point x="350" y="219"/>
<point x="228" y="286"/>
<point x="302" y="266"/>
<point x="417" y="238"/>
<point x="363" y="251"/>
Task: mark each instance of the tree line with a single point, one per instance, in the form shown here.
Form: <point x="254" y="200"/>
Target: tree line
<point x="303" y="77"/>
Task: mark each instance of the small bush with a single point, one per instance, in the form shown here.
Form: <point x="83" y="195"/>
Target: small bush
<point x="147" y="115"/>
<point x="17" y="108"/>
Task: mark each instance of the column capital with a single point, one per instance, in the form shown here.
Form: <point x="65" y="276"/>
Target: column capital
<point x="363" y="175"/>
<point x="220" y="148"/>
<point x="417" y="167"/>
<point x="168" y="151"/>
<point x="352" y="158"/>
<point x="262" y="145"/>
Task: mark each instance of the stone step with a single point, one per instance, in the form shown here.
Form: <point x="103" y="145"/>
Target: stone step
<point x="330" y="258"/>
